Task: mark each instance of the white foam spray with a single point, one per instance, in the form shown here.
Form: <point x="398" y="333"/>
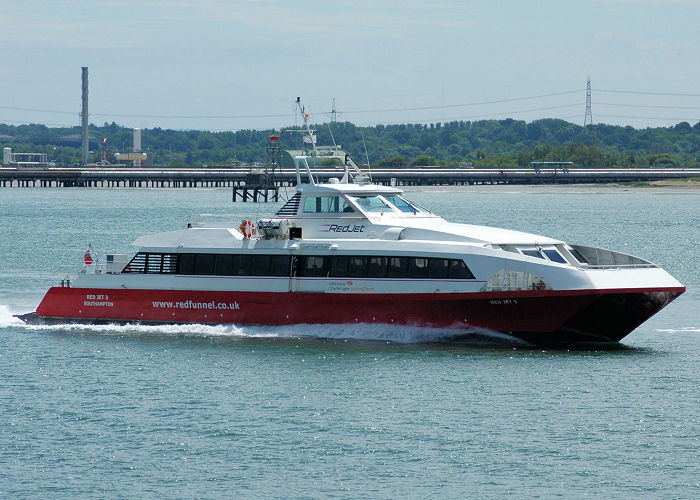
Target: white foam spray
<point x="359" y="332"/>
<point x="691" y="329"/>
<point x="7" y="318"/>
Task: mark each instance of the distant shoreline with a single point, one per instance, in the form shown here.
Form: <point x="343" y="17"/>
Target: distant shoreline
<point x="679" y="186"/>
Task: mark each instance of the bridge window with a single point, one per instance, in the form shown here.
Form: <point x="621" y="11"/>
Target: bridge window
<point x="402" y="204"/>
<point x="373" y="204"/>
<point x="553" y="255"/>
<point x="578" y="256"/>
<point x="345" y="206"/>
<point x="323" y="205"/>
<point x="544" y="253"/>
<point x="531" y="252"/>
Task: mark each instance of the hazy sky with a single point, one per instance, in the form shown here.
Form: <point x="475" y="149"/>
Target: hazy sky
<point x="236" y="64"/>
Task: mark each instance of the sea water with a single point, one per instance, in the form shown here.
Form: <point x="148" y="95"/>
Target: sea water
<point x="347" y="411"/>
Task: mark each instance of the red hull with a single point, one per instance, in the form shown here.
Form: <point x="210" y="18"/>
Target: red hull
<point x="539" y="316"/>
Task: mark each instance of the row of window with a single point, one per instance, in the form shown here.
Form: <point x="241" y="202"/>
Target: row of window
<point x="334" y="266"/>
<point x="368" y="203"/>
<point x="545" y="253"/>
<point x="340" y="266"/>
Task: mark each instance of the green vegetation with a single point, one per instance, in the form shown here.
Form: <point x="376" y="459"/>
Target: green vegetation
<point x="486" y="143"/>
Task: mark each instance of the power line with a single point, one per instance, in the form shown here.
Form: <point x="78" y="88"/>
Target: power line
<point x="392" y="110"/>
<point x="194" y="117"/>
<point x="653" y="117"/>
<point x="488" y="115"/>
<point x="13" y="108"/>
<point x="647" y="93"/>
<point x="125" y="115"/>
<point x="498" y="101"/>
<point x="407" y="109"/>
<point x="646" y="106"/>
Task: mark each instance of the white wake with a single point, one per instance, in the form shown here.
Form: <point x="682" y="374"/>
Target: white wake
<point x="357" y="332"/>
<point x="687" y="329"/>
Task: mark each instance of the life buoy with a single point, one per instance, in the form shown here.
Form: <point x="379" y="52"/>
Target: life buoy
<point x="247" y="228"/>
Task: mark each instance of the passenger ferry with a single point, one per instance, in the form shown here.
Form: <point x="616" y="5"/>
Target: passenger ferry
<point x="351" y="252"/>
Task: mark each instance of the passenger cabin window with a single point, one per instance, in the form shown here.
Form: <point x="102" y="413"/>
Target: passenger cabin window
<point x="223" y="265"/>
<point x="377" y="267"/>
<point x="460" y="271"/>
<point x="204" y="264"/>
<point x="315" y="266"/>
<point x="280" y="265"/>
<point x="187" y="263"/>
<point x="261" y="265"/>
<point x="339" y="266"/>
<point x="439" y="268"/>
<point x="242" y="265"/>
<point x="137" y="264"/>
<point x="154" y="263"/>
<point x="169" y="263"/>
<point x="417" y="267"/>
<point x="398" y="267"/>
<point x="357" y="267"/>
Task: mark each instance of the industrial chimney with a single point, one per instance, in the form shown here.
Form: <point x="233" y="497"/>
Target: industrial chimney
<point x="84" y="114"/>
<point x="137" y="145"/>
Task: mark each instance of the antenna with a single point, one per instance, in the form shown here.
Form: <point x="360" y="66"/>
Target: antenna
<point x="332" y="138"/>
<point x="309" y="136"/>
<point x="369" y="167"/>
<point x="588" y="118"/>
<point x="333" y="114"/>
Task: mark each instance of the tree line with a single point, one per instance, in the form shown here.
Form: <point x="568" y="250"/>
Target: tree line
<point x="484" y="143"/>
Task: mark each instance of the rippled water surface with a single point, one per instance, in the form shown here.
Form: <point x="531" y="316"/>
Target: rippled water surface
<point x="314" y="411"/>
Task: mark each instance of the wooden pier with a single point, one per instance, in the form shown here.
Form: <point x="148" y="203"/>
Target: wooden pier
<point x="258" y="186"/>
<point x="245" y="187"/>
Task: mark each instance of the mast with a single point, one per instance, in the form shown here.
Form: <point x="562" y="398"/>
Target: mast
<point x="309" y="137"/>
<point x="308" y="132"/>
